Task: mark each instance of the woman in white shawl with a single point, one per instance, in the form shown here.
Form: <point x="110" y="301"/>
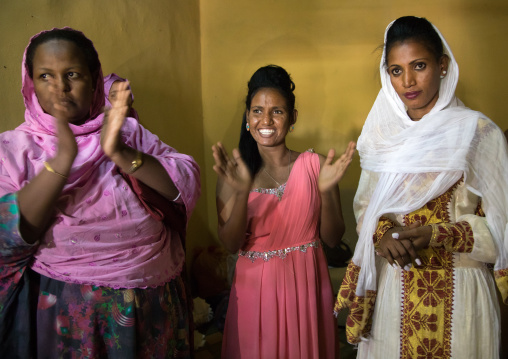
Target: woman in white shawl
<point x="431" y="207"/>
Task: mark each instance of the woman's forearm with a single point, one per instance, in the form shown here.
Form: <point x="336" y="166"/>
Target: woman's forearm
<point x="37" y="199"/>
<point x="332" y="223"/>
<point x="150" y="172"/>
<point x="232" y="231"/>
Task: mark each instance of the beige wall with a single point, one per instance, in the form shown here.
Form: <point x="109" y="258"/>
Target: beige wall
<point x="189" y="62"/>
<point x="329" y="48"/>
<point x="154" y="43"/>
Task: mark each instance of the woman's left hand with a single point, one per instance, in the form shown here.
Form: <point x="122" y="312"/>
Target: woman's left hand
<point x="419" y="236"/>
<point x="113" y="121"/>
<point x="331" y="173"/>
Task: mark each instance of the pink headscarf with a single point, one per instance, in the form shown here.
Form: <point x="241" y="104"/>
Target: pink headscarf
<point x="108" y="83"/>
<point x="101" y="233"/>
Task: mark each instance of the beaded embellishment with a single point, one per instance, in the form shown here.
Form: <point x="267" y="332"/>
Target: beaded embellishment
<point x="281" y="253"/>
<point x="279" y="191"/>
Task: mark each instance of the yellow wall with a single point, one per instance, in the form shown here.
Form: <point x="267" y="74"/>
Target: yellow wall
<point x="329" y="46"/>
<point x="189" y="62"/>
<point x="154" y="43"/>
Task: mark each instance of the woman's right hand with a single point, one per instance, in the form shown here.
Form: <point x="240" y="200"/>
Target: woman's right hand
<point x="232" y="170"/>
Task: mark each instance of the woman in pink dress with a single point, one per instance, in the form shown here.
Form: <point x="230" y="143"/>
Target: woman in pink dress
<point x="275" y="205"/>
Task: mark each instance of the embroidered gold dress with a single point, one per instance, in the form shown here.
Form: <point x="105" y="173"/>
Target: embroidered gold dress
<point x="416" y="311"/>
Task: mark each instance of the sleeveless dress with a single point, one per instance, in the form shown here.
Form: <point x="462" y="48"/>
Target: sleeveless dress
<point x="281" y="302"/>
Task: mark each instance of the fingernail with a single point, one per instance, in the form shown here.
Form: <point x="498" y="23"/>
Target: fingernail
<point x="394" y="266"/>
<point x="395" y="235"/>
<point x="407" y="268"/>
<point x="418" y="261"/>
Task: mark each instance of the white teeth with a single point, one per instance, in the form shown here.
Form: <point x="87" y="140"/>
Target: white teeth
<point x="266" y="132"/>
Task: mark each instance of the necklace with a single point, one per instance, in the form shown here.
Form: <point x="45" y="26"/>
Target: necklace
<point x="280" y="190"/>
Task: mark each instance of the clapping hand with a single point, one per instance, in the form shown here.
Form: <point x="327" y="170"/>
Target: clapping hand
<point x="67" y="146"/>
<point x="114" y="119"/>
<point x="331" y="173"/>
<point x="231" y="169"/>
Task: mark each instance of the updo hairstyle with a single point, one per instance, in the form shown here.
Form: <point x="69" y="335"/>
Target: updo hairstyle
<point x="412" y="28"/>
<point x="270" y="76"/>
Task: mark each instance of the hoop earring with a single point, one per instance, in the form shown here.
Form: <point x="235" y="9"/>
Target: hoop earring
<point x="292" y="128"/>
<point x="247" y="126"/>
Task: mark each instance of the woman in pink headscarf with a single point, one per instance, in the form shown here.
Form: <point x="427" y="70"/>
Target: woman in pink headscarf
<point x="93" y="210"/>
<point x="111" y="85"/>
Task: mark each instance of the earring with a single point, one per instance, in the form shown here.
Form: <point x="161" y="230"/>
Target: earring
<point x="443" y="75"/>
<point x="247" y="126"/>
<point x="292" y="128"/>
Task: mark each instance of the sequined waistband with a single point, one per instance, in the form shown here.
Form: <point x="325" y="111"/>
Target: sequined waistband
<point x="281" y="253"/>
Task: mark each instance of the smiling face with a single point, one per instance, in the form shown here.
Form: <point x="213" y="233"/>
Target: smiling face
<point x="415" y="75"/>
<point x="269" y="118"/>
<point x="61" y="76"/>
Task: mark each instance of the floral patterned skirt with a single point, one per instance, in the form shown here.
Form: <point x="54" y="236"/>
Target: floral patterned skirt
<point x="47" y="318"/>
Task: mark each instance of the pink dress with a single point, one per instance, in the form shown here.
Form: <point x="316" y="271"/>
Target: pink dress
<point x="281" y="302"/>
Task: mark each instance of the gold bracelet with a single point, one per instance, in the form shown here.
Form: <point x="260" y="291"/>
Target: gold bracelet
<point x="50" y="169"/>
<point x="138" y="162"/>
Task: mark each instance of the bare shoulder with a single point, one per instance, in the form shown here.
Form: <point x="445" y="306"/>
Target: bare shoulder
<point x="322" y="158"/>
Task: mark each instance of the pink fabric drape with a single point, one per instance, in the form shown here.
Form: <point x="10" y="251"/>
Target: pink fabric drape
<point x="101" y="233"/>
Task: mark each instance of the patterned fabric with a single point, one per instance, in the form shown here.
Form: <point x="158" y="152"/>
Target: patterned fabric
<point x="359" y="320"/>
<point x="502" y="283"/>
<point x="383" y="226"/>
<point x="431" y="296"/>
<point x="82" y="321"/>
<point x="454" y="237"/>
<point x="428" y="290"/>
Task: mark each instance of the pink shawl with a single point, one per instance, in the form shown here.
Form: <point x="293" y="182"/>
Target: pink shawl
<point x="101" y="233"/>
<point x="108" y="82"/>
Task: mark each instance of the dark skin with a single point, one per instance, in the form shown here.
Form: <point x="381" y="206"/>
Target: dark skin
<point x="413" y="69"/>
<point x="64" y="87"/>
<point x="269" y="120"/>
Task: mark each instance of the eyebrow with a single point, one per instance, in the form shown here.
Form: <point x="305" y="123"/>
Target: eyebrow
<point x="67" y="69"/>
<point x="412" y="62"/>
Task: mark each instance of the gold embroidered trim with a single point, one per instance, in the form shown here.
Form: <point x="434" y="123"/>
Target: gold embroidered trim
<point x="428" y="290"/>
<point x="501" y="277"/>
<point x="435" y="211"/>
<point x="454" y="237"/>
<point x="359" y="320"/>
<point x="427" y="310"/>
<point x="383" y="226"/>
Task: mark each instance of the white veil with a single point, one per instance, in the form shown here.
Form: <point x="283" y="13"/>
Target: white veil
<point x="418" y="161"/>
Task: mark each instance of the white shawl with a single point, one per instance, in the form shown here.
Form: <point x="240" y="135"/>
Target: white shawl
<point x="446" y="144"/>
